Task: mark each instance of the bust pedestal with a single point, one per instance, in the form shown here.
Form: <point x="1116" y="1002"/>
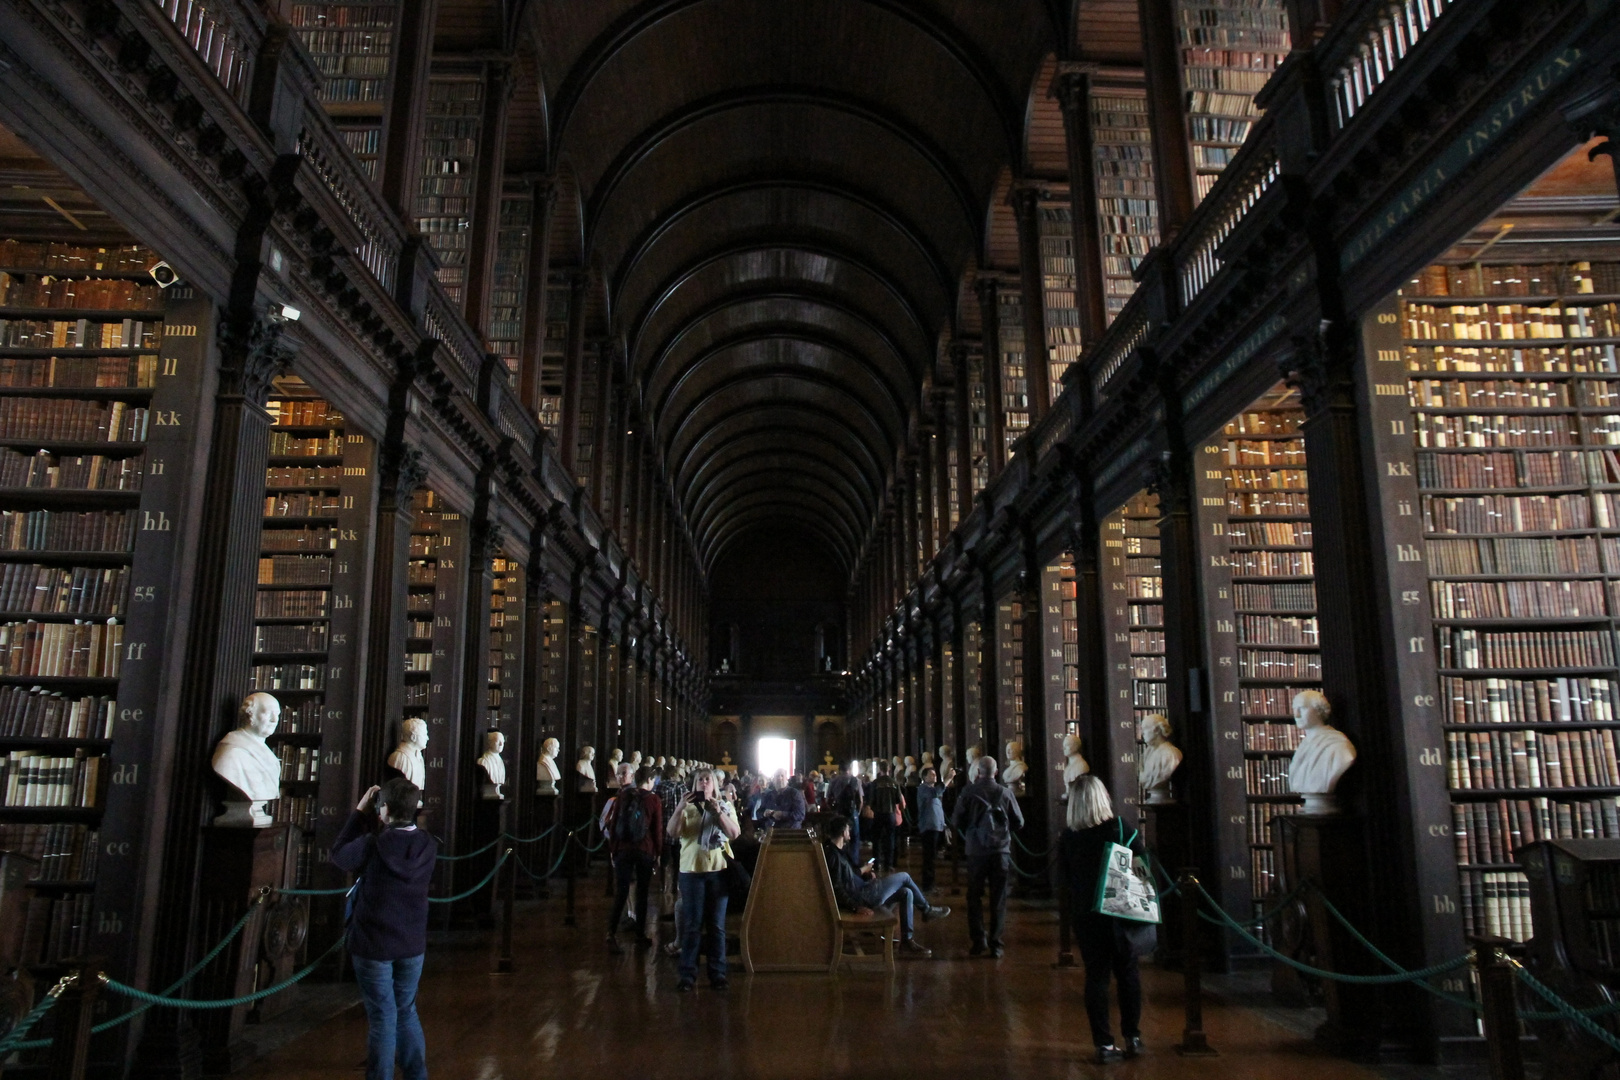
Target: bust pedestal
<point x="489" y="821"/>
<point x="1168" y="835"/>
<point x="1327" y="849"/>
<point x="240" y="862"/>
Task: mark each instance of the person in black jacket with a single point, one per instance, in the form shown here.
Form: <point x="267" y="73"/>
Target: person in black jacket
<point x="985" y="815"/>
<point x="388" y="921"/>
<point x="863" y="890"/>
<point x="1104" y="945"/>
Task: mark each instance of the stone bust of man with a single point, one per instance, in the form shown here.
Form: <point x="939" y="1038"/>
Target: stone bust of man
<point x="407" y="756"/>
<point x="494" y="765"/>
<point x="1013" y="773"/>
<point x="585" y="769"/>
<point x="245" y="762"/>
<point x="1160" y="758"/>
<point x="613" y="762"/>
<point x="1324" y="755"/>
<point x="546" y="772"/>
<point x="1074" y="765"/>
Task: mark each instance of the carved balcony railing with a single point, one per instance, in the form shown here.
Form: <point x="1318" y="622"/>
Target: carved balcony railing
<point x="225" y="35"/>
<point x="1363" y="56"/>
<point x="442" y="321"/>
<point x="1127" y="332"/>
<point x="1241" y="184"/>
<point x="382" y="234"/>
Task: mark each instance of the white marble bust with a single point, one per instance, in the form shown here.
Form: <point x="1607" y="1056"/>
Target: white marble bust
<point x="1013" y="773"/>
<point x="1074" y="765"/>
<point x="927" y="761"/>
<point x="635" y="759"/>
<point x="248" y="765"/>
<point x="1160" y="759"/>
<point x="911" y="769"/>
<point x="585" y="770"/>
<point x="662" y="762"/>
<point x="493" y="765"/>
<point x="947" y="763"/>
<point x="545" y="773"/>
<point x="1324" y="755"/>
<point x="828" y="765"/>
<point x="407" y="756"/>
<point x="614" y="760"/>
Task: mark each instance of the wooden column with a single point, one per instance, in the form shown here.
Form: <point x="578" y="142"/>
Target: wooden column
<point x="1167" y="115"/>
<point x="483" y="547"/>
<point x="573" y="363"/>
<point x="486" y="215"/>
<point x="544" y="190"/>
<point x="957" y="736"/>
<point x="401" y="160"/>
<point x="995" y="440"/>
<point x="989" y="665"/>
<point x="1026" y="204"/>
<point x="942" y="467"/>
<point x="1085" y="547"/>
<point x="219" y="645"/>
<point x="1072" y="88"/>
<point x="925" y="485"/>
<point x="535" y="600"/>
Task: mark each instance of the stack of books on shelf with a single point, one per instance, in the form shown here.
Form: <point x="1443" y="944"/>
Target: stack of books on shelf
<point x="1522" y="584"/>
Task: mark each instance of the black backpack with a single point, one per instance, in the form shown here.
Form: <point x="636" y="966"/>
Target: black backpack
<point x="990" y="832"/>
<point x="630" y="818"/>
<point x="885" y="797"/>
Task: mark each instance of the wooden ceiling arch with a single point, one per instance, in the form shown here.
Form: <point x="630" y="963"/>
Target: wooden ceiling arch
<point x="783" y="203"/>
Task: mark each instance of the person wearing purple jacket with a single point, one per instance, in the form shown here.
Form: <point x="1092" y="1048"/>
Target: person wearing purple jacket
<point x="388" y="921"/>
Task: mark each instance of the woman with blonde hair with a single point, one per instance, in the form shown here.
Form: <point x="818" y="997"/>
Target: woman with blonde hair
<point x="1092" y="825"/>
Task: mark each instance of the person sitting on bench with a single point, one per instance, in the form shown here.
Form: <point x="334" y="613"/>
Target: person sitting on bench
<point x="862" y="892"/>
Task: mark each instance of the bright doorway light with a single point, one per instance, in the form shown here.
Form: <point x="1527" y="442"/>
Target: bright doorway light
<point x="775" y="754"/>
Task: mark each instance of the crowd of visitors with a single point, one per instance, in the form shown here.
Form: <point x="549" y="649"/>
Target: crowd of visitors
<point x="704" y="828"/>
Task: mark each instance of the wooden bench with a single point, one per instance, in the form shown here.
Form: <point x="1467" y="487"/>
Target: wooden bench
<point x="793" y="923"/>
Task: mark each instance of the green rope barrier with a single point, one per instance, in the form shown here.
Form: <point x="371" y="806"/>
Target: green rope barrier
<point x="1565" y="1009"/>
<point x="1361" y="939"/>
<point x="1363" y="980"/>
<point x="14" y="1038"/>
<point x="1029" y="850"/>
<point x="315" y="892"/>
<point x="225" y="1003"/>
<point x="124" y="1018"/>
<point x="487" y="879"/>
<point x="549" y="873"/>
<point x="530" y="839"/>
<point x="472" y="854"/>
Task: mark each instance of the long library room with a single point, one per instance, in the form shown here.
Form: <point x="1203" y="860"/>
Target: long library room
<point x="670" y="537"/>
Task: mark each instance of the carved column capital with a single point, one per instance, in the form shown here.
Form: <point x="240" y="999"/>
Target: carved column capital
<point x="253" y="352"/>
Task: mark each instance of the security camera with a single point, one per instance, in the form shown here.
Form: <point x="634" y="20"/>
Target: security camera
<point x="164" y="275"/>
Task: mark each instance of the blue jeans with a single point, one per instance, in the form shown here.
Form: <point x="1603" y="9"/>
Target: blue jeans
<point x="880" y="891"/>
<point x="702" y="922"/>
<point x="394" y="1030"/>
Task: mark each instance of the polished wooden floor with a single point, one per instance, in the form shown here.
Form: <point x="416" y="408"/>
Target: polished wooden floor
<point x="572" y="1010"/>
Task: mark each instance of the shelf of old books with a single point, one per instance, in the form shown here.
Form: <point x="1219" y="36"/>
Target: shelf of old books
<point x="1260" y="606"/>
<point x="1014" y="381"/>
<point x="1229" y="48"/>
<point x="1127" y="206"/>
<point x="1056" y="226"/>
<point x="1515" y="424"/>
<point x="95" y="404"/>
<point x="306" y="628"/>
<point x="505" y="645"/>
<point x="1009" y="672"/>
<point x="972" y="688"/>
<point x="434" y="584"/>
<point x="555" y="350"/>
<point x="353" y="46"/>
<point x="444" y="201"/>
<point x="978" y="425"/>
<point x="553" y="671"/>
<point x="505" y="330"/>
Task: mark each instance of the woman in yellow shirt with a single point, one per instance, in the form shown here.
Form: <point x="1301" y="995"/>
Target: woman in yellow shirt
<point x="703" y="822"/>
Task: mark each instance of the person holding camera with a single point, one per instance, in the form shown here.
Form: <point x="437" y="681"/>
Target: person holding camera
<point x="388" y="921"/>
<point x="704" y="823"/>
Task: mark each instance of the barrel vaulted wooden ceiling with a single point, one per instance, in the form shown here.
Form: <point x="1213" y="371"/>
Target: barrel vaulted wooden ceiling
<point x="782" y="204"/>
